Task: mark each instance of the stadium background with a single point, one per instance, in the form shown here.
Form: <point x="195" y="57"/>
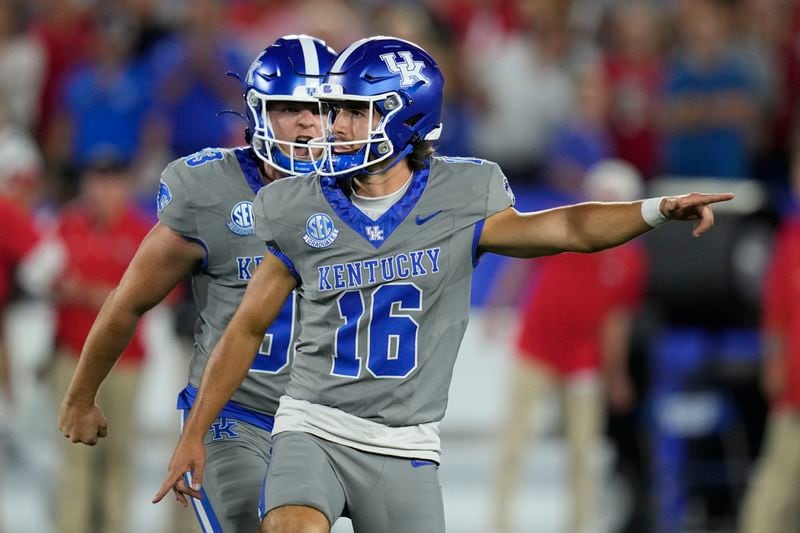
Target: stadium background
<point x="548" y="88"/>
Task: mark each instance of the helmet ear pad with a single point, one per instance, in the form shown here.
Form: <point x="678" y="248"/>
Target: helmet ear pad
<point x="404" y="130"/>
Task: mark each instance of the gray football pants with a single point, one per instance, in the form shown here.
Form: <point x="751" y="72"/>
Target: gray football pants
<point x="380" y="493"/>
<point x="237" y="454"/>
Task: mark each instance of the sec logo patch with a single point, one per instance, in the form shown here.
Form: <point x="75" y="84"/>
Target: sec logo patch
<point x="320" y="231"/>
<point x="242" y="219"/>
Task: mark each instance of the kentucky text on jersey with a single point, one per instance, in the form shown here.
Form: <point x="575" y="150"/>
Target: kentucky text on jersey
<point x="361" y="273"/>
<point x="247" y="265"/>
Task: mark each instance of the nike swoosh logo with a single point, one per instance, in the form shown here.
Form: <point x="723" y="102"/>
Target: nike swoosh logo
<point x="416" y="463"/>
<point x="422" y="220"/>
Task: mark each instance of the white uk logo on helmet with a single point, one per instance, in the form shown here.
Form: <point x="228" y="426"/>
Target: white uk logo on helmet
<point x="410" y="70"/>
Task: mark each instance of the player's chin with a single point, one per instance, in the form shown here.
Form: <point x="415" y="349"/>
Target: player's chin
<point x="307" y="154"/>
<point x="348" y="149"/>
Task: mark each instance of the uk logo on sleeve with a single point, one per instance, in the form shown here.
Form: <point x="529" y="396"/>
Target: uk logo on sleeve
<point x="164" y="196"/>
<point x="509" y="192"/>
<point x="320" y="232"/>
<point x="242" y="219"/>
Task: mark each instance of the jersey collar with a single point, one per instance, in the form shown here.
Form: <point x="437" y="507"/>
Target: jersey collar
<point x="249" y="163"/>
<point x="388" y="222"/>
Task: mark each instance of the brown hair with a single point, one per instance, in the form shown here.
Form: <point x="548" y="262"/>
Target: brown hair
<point x="418" y="158"/>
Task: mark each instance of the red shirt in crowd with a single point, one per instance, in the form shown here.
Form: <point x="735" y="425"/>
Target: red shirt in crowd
<point x="67" y="36"/>
<point x="96" y="255"/>
<point x="17" y="238"/>
<point x="787" y="71"/>
<point x="573" y="295"/>
<point x="782" y="307"/>
<point x="636" y="90"/>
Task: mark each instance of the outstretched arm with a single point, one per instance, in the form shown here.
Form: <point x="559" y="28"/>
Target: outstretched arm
<point x="163" y="259"/>
<point x="226" y="369"/>
<point x="587" y="227"/>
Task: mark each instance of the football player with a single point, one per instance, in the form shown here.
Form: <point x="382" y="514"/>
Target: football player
<point x="205" y="230"/>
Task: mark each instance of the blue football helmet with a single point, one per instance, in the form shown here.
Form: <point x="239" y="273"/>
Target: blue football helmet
<point x="288" y="70"/>
<point x="398" y="80"/>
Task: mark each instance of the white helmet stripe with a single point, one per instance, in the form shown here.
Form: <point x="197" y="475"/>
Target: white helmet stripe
<point x="312" y="60"/>
<point x="349" y="50"/>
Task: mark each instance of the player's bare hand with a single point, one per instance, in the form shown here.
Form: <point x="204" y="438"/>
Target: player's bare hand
<point x="82" y="423"/>
<point x="189" y="457"/>
<point x="694" y="206"/>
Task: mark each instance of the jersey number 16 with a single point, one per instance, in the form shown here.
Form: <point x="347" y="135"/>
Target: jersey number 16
<point x="391" y="350"/>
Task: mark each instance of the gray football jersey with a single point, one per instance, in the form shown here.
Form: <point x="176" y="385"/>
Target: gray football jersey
<point x="383" y="304"/>
<point x="208" y="198"/>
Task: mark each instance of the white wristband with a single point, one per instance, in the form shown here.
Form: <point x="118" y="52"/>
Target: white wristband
<point x="651" y="212"/>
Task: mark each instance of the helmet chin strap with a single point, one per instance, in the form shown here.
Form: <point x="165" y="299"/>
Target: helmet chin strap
<point x="407" y="150"/>
<point x="290" y="164"/>
<point x="364" y="172"/>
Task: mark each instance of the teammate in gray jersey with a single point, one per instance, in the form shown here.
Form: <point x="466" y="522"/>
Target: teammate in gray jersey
<point x="205" y="231"/>
<point x="380" y="245"/>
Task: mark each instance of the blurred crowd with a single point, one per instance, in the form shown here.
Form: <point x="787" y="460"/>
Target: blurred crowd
<point x="97" y="97"/>
<point x="545" y="87"/>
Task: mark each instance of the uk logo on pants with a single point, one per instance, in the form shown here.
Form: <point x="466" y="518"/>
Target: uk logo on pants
<point x="222" y="429"/>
